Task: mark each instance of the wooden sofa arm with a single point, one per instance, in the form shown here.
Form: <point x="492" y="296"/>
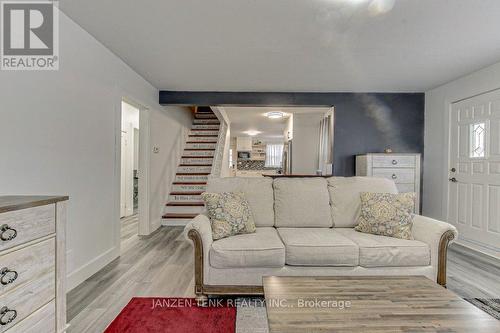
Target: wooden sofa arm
<point x="437" y="235"/>
<point x="444" y="241"/>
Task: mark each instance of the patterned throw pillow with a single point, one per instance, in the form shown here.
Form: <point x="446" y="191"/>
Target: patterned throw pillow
<point x="229" y="214"/>
<point x="387" y="214"/>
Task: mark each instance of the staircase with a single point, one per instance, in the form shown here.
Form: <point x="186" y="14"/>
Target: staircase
<point x="184" y="200"/>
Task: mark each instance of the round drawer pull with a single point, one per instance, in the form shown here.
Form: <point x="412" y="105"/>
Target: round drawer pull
<point x="7" y="315"/>
<point x="394" y="176"/>
<point x="394" y="162"/>
<point x="7" y="276"/>
<point x="7" y="233"/>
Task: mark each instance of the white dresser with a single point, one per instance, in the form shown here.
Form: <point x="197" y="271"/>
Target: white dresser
<point x="32" y="264"/>
<point x="404" y="169"/>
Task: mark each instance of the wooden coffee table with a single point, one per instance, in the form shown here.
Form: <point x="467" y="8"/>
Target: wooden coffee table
<point x="369" y="304"/>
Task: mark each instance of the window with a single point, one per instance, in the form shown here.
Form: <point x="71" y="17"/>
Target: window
<point x="230" y="158"/>
<point x="274" y="155"/>
<point x="477" y="140"/>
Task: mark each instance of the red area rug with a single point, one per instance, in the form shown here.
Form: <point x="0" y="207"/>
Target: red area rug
<point x="176" y="315"/>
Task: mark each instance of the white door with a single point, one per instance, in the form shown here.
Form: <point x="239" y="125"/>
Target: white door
<point x="474" y="171"/>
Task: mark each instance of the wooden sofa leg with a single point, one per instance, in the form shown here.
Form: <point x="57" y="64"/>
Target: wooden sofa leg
<point x="198" y="266"/>
<point x="446" y="238"/>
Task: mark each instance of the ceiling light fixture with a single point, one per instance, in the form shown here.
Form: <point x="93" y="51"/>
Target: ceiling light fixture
<point x="274" y="115"/>
<point x="252" y="132"/>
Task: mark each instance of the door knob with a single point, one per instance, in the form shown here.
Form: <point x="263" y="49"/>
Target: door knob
<point x="453" y="170"/>
<point x="453" y="180"/>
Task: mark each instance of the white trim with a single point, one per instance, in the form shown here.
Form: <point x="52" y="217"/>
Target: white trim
<point x="90" y="268"/>
<point x="144" y="168"/>
<point x="145" y="227"/>
<point x="485" y="249"/>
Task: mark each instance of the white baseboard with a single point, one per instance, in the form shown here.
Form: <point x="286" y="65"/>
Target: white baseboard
<point x="90" y="268"/>
<point x="486" y="250"/>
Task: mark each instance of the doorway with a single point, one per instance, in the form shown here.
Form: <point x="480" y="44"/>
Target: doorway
<point x="130" y="173"/>
<point x="264" y="140"/>
<point x="474" y="171"/>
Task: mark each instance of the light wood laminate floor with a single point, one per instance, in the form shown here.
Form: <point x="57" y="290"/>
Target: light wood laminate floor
<point x="161" y="265"/>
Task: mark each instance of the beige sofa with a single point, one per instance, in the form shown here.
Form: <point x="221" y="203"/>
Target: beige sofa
<point x="305" y="228"/>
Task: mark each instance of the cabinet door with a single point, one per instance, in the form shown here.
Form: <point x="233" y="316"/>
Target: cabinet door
<point x="244" y="144"/>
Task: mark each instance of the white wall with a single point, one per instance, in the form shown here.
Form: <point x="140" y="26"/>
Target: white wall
<point x="169" y="132"/>
<point x="305" y="142"/>
<point x="58" y="135"/>
<point x="437" y="103"/>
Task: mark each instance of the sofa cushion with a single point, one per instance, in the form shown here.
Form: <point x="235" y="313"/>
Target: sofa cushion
<point x="387" y="214"/>
<point x="260" y="249"/>
<point x="258" y="192"/>
<point x="345" y="196"/>
<point x="302" y="203"/>
<point x="318" y="247"/>
<point x="382" y="251"/>
<point x="229" y="214"/>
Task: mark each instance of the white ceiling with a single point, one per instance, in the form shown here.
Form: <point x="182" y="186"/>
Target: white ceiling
<point x="254" y="119"/>
<point x="296" y="45"/>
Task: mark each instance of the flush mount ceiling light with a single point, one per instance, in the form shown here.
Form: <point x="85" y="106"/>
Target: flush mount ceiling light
<point x="252" y="132"/>
<point x="275" y="115"/>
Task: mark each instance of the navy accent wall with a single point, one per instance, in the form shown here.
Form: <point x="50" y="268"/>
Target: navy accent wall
<point x="364" y="122"/>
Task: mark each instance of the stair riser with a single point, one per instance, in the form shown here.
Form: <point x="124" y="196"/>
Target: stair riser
<point x="185" y="209"/>
<point x="205" y="121"/>
<point x="188" y="188"/>
<point x="184" y="198"/>
<point x="175" y="222"/>
<point x="198" y="132"/>
<point x="201" y="146"/>
<point x="205" y="116"/>
<point x="194" y="160"/>
<point x="191" y="178"/>
<point x="196" y="153"/>
<point x="212" y="127"/>
<point x="202" y="139"/>
<point x="194" y="169"/>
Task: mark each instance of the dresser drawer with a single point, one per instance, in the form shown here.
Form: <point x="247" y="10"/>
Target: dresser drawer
<point x="397" y="175"/>
<point x="26" y="264"/>
<point x="404" y="188"/>
<point x="392" y="161"/>
<point x="27" y="299"/>
<point x="25" y="225"/>
<point x="41" y="321"/>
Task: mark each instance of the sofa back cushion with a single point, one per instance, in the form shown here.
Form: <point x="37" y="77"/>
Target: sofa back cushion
<point x="345" y="196"/>
<point x="258" y="192"/>
<point x="302" y="203"/>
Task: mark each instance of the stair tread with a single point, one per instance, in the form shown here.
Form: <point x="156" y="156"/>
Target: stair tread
<point x="193" y="173"/>
<point x="204" y="142"/>
<point x="189" y="183"/>
<point x="186" y="203"/>
<point x="195" y="165"/>
<point x="199" y="149"/>
<point x="197" y="156"/>
<point x="187" y="193"/>
<point x="203" y="136"/>
<point x="179" y="216"/>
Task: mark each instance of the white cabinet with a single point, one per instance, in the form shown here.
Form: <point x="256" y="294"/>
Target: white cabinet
<point x="403" y="169"/>
<point x="33" y="259"/>
<point x="244" y="144"/>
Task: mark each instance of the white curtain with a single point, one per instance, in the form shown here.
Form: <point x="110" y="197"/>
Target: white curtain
<point x="325" y="157"/>
<point x="274" y="155"/>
